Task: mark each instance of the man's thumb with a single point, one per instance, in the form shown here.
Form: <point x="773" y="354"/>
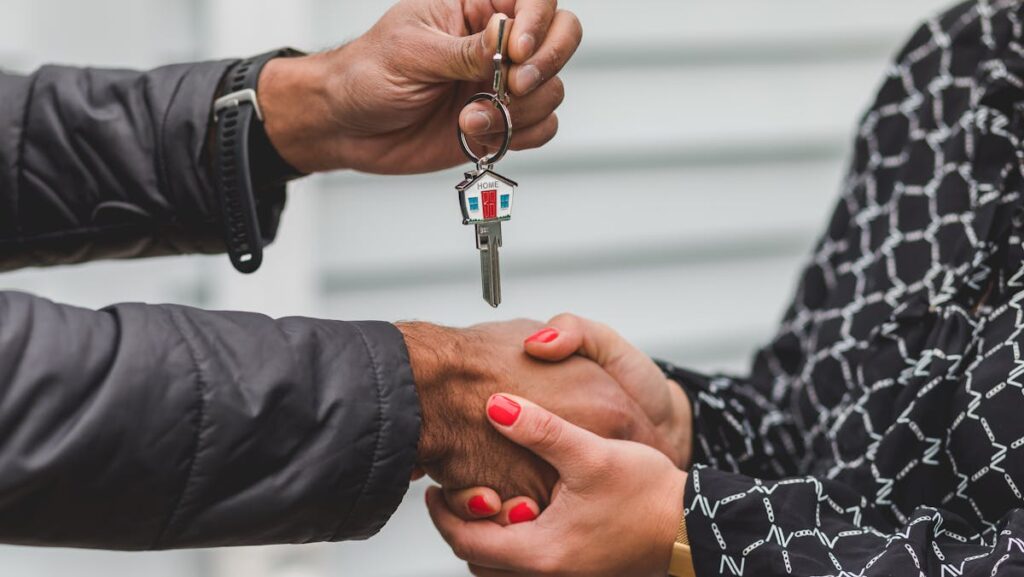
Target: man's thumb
<point x="470" y="58"/>
<point x="552" y="438"/>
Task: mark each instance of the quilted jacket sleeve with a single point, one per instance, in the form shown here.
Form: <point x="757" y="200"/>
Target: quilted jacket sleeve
<point x="152" y="427"/>
<point x="110" y="164"/>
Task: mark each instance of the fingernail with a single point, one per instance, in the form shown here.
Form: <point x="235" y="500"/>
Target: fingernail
<point x="503" y="410"/>
<point x="478" y="506"/>
<point x="544" y="336"/>
<point x="526" y="45"/>
<point x="521" y="513"/>
<point x="478" y="123"/>
<point x="529" y="77"/>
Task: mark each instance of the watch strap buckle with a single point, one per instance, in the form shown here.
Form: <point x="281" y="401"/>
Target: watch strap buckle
<point x="236" y="99"/>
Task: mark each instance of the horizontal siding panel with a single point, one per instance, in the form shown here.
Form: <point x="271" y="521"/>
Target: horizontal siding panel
<point x="56" y="562"/>
<point x="116" y="33"/>
<point x="716" y="21"/>
<point x="664" y="308"/>
<point x="380" y="226"/>
<point x="692" y="22"/>
<point x="166" y="279"/>
<point x="622" y="108"/>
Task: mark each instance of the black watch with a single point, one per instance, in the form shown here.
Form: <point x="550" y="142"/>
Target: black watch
<point x="245" y="161"/>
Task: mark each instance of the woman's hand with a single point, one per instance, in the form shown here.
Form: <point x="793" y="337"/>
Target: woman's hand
<point x="388" y="102"/>
<point x="616" y="508"/>
<point x="662" y="399"/>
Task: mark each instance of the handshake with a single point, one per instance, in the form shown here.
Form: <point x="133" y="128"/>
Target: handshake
<point x="567" y="421"/>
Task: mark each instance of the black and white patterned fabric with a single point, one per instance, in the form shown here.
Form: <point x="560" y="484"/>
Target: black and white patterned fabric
<point x="882" y="431"/>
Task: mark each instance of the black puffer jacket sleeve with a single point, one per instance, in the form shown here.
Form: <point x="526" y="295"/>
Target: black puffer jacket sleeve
<point x="152" y="427"/>
<point x="110" y="164"/>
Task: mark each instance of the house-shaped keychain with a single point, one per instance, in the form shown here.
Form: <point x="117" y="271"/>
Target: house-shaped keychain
<point x="486" y="197"/>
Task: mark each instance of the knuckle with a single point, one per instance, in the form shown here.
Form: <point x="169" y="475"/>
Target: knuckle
<point x="546" y="432"/>
<point x="566" y="320"/>
<point x="556" y="59"/>
<point x="466" y="56"/>
<point x="552" y="129"/>
<point x="463" y="549"/>
<point x="557" y="91"/>
<point x="575" y="26"/>
<point x="549" y="563"/>
<point x="626" y="423"/>
<point x="599" y="463"/>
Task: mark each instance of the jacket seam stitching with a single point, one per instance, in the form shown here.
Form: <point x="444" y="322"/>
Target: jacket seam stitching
<point x="200" y="388"/>
<point x="19" y="161"/>
<point x="344" y="523"/>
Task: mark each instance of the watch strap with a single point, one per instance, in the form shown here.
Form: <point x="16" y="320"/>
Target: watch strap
<point x="682" y="556"/>
<point x="238" y="118"/>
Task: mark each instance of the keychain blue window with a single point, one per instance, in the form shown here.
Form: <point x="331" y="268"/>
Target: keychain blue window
<point x="474" y="204"/>
<point x="505" y="201"/>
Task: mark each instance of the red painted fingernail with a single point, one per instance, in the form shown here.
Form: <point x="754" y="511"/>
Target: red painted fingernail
<point x="544" y="336"/>
<point x="478" y="506"/>
<point x="503" y="410"/>
<point x="521" y="513"/>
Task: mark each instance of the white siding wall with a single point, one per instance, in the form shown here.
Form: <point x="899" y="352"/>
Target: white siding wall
<point x="701" y="150"/>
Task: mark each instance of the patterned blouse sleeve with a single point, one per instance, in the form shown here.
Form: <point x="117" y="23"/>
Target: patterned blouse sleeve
<point x="740" y="525"/>
<point x="739" y="427"/>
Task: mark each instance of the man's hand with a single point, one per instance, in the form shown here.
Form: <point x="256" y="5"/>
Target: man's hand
<point x="456" y="371"/>
<point x="389" y="101"/>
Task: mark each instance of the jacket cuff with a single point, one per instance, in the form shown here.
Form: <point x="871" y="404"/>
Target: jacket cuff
<point x="192" y="107"/>
<point x="397" y="435"/>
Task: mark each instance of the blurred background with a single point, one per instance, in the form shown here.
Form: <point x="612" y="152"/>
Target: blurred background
<point x="702" y="147"/>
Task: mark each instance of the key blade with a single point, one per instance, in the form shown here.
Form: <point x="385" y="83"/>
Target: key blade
<point x="488" y="240"/>
<point x="490" y="274"/>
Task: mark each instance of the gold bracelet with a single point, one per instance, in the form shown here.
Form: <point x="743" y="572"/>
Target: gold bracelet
<point x="682" y="558"/>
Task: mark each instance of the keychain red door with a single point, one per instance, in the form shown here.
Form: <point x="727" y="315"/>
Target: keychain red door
<point x="489" y="199"/>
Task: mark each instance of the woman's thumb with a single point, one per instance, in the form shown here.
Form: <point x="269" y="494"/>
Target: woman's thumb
<point x="565" y="446"/>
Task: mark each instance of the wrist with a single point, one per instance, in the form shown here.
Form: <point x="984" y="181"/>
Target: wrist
<point x="294" y="97"/>
<point x="435" y="355"/>
<point x="681" y="427"/>
<point x="667" y="526"/>
<point x="681" y="560"/>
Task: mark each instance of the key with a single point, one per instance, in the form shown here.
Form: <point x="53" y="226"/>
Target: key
<point x="486" y="198"/>
<point x="488" y="242"/>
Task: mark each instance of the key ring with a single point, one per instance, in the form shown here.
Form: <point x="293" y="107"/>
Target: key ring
<point x="506" y="118"/>
<point x="500" y="100"/>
